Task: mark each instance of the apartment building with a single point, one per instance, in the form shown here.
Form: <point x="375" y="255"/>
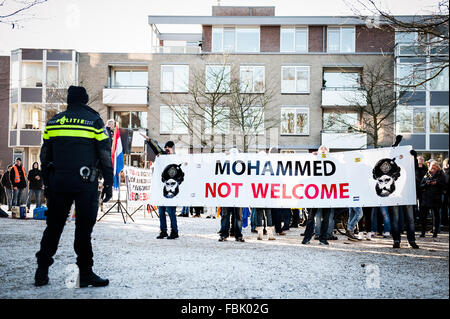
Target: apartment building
<point x="38" y="79"/>
<point x="311" y="65"/>
<point x="422" y="115"/>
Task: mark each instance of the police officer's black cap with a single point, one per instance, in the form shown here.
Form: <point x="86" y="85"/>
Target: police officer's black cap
<point x="386" y="166"/>
<point x="77" y="94"/>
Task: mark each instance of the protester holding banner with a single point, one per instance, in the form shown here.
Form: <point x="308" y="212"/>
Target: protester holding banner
<point x="170" y="175"/>
<point x="354" y="216"/>
<point x="235" y="214"/>
<point x="432" y="187"/>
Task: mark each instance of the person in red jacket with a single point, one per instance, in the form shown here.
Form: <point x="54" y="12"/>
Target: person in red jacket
<point x="18" y="181"/>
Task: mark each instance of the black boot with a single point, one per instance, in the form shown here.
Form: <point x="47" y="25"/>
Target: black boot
<point x="162" y="235"/>
<point x="41" y="276"/>
<point x="173" y="235"/>
<point x="89" y="278"/>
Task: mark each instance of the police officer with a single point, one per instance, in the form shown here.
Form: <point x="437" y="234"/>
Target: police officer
<point x="75" y="151"/>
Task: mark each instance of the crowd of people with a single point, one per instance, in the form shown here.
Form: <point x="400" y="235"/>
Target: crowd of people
<point x="363" y="223"/>
<point x="19" y="188"/>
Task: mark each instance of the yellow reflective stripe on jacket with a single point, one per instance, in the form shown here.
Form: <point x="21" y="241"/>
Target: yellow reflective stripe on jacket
<point x="74" y="133"/>
<point x="90" y="128"/>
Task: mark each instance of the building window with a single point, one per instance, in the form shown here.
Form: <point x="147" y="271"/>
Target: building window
<point x="411" y="119"/>
<point x="341" y="80"/>
<point x="52" y="109"/>
<point x="59" y="74"/>
<point x="173" y="122"/>
<point x="341" y="39"/>
<point x="294" y="121"/>
<point x="14" y="112"/>
<point x="221" y="120"/>
<point x="234" y="39"/>
<point x="131" y="119"/>
<point x="130" y="78"/>
<point x="217" y="79"/>
<point x="295" y="79"/>
<point x="340" y="122"/>
<point x="174" y="78"/>
<point x="411" y="75"/>
<point x="439" y="120"/>
<point x="440" y="81"/>
<point x="32" y="74"/>
<point x="252" y="79"/>
<point x="294" y="39"/>
<point x="31" y="116"/>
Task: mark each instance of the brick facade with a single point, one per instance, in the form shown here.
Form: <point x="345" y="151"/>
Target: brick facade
<point x="270" y="39"/>
<point x="374" y="39"/>
<point x="242" y="11"/>
<point x="207" y="38"/>
<point x="315" y="38"/>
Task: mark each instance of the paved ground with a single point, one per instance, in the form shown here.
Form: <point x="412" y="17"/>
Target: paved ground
<point x="198" y="266"/>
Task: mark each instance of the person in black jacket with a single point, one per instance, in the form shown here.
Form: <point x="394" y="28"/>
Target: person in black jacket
<point x="76" y="146"/>
<point x="7" y="186"/>
<point x="35" y="185"/>
<point x="18" y="180"/>
<point x="421" y="170"/>
<point x="445" y="201"/>
<point x="432" y="187"/>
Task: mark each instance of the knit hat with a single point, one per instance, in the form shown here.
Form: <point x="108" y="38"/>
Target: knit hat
<point x="169" y="144"/>
<point x="77" y="94"/>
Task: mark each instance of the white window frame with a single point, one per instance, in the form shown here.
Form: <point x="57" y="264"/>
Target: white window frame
<point x="162" y="107"/>
<point x="297" y="108"/>
<point x="432" y="108"/>
<point x="227" y="118"/>
<point x="259" y="130"/>
<point x="340" y="39"/>
<point x="253" y="90"/>
<point x="114" y="83"/>
<point x="295" y="38"/>
<point x="185" y="66"/>
<point x="236" y="28"/>
<point x="295" y="79"/>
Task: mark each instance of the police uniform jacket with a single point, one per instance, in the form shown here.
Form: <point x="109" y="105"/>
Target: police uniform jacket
<point x="73" y="139"/>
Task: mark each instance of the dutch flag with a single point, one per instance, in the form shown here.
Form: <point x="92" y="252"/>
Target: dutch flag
<point x="117" y="157"/>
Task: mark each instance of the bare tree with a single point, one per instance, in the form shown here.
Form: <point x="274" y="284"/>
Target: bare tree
<point x="432" y="38"/>
<point x="375" y="102"/>
<point x="13" y="12"/>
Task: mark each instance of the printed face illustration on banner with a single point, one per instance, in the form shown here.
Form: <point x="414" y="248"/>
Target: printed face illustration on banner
<point x="172" y="176"/>
<point x="385" y="172"/>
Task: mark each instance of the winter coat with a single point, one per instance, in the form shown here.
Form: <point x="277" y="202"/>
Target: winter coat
<point x="6" y="182"/>
<point x="431" y="194"/>
<point x="34" y="183"/>
<point x="420" y="174"/>
<point x="23" y="182"/>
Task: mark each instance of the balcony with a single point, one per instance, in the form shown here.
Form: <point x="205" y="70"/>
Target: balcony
<point x="177" y="49"/>
<point x="335" y="140"/>
<point x="343" y="97"/>
<point x="125" y="96"/>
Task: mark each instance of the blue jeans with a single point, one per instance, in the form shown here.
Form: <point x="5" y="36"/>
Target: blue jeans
<point x="185" y="210"/>
<point x="171" y="211"/>
<point x="408" y="212"/>
<point x="354" y="216"/>
<point x="318" y="223"/>
<point x="37" y="193"/>
<point x="17" y="196"/>
<point x="310" y="224"/>
<point x="9" y="196"/>
<point x="254" y="217"/>
<point x="235" y="213"/>
<point x="386" y="220"/>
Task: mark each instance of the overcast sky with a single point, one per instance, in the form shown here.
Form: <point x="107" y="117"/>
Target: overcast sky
<point x="121" y="25"/>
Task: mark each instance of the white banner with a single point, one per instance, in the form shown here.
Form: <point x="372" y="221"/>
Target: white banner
<point x="377" y="177"/>
<point x="139" y="181"/>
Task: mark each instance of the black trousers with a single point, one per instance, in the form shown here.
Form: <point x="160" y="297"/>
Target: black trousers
<point x="86" y="208"/>
<point x="323" y="226"/>
<point x="424" y="210"/>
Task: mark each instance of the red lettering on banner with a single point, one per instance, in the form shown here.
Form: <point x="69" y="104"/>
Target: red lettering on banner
<point x="294" y="191"/>
<point x="342" y="190"/>
<point x="236" y="189"/>
<point x="333" y="191"/>
<point x="284" y="193"/>
<point x="211" y="190"/>
<point x="273" y="190"/>
<point x="220" y="189"/>
<point x="259" y="190"/>
<point x="316" y="189"/>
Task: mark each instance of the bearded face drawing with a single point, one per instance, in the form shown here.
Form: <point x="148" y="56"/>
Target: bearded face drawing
<point x="385" y="172"/>
<point x="172" y="176"/>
